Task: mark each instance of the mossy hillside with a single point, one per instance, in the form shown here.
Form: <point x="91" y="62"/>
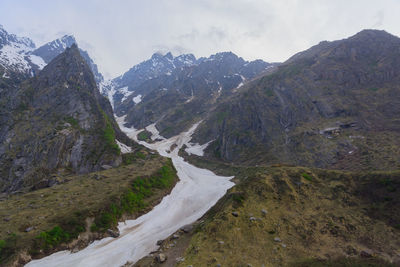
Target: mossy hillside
<point x="319" y="216"/>
<point x="46" y="220"/>
<point x="135" y="198"/>
<point x="109" y="136"/>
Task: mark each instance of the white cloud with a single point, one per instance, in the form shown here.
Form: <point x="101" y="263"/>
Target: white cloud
<point x="121" y="33"/>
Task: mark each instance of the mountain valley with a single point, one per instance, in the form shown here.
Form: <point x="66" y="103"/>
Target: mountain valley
<point x="299" y="161"/>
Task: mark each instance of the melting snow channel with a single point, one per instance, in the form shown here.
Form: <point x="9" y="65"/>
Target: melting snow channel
<point x="195" y="193"/>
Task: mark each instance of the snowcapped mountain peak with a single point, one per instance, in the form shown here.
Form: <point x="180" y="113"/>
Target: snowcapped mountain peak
<point x="13" y="40"/>
<point x="19" y="54"/>
<point x="13" y="50"/>
<point x="185" y="60"/>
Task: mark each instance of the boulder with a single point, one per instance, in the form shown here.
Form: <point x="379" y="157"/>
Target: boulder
<point x="366" y="253"/>
<point x="113" y="233"/>
<point x="264" y="212"/>
<point x="187" y="228"/>
<point x="175" y="236"/>
<point x="106" y="167"/>
<point x="161" y="257"/>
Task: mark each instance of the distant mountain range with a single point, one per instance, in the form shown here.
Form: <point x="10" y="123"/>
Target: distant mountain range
<point x="19" y="54"/>
<point x="334" y="105"/>
<point x="173" y="91"/>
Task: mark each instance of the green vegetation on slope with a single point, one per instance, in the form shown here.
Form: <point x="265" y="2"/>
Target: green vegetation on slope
<point x="294" y="216"/>
<point x="133" y="200"/>
<point x="46" y="220"/>
<point x="109" y="136"/>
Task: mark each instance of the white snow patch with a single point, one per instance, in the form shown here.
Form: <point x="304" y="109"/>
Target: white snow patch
<point x="124" y="148"/>
<point x="242" y="82"/>
<point x="38" y="61"/>
<point x="14" y="56"/>
<point x="196" y="149"/>
<point x="108" y="88"/>
<point x="195" y="193"/>
<point x="137" y="99"/>
<point x="124" y="91"/>
<point x="155" y="134"/>
<point x="191" y="98"/>
<point x="5" y="75"/>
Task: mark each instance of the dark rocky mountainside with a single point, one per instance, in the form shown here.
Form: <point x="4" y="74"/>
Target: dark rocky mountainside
<point x="334" y="105"/>
<point x="176" y="99"/>
<point x="56" y="121"/>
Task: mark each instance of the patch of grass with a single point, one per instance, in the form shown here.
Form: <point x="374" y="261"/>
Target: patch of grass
<point x="312" y="220"/>
<point x="373" y="89"/>
<point x="144" y="135"/>
<point x="49" y="239"/>
<point x="67" y="205"/>
<point x="129" y="158"/>
<point x="221" y="116"/>
<point x="133" y="200"/>
<point x="109" y="136"/>
<point x="7" y="247"/>
<point x="307" y="176"/>
<point x="344" y="262"/>
<point x="269" y="92"/>
<point x="71" y="120"/>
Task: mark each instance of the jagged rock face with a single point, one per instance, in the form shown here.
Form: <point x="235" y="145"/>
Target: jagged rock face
<point x="56" y="120"/>
<point x="174" y="100"/>
<point x="52" y="49"/>
<point x="118" y="89"/>
<point x="334" y="105"/>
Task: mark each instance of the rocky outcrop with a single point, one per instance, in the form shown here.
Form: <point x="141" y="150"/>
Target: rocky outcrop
<point x="55" y="121"/>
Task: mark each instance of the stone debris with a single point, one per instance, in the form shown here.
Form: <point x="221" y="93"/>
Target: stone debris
<point x="161" y="257"/>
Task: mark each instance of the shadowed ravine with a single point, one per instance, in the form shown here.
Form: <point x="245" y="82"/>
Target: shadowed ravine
<point x="196" y="192"/>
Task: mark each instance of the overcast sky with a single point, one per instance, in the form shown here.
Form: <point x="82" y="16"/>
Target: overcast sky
<point x="121" y="33"/>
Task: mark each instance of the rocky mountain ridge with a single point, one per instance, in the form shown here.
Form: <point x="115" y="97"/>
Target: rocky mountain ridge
<point x="181" y="94"/>
<point x="331" y="106"/>
<point x="20" y="55"/>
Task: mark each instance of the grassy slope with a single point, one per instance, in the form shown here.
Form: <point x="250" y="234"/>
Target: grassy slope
<point x="322" y="217"/>
<point x="70" y="204"/>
